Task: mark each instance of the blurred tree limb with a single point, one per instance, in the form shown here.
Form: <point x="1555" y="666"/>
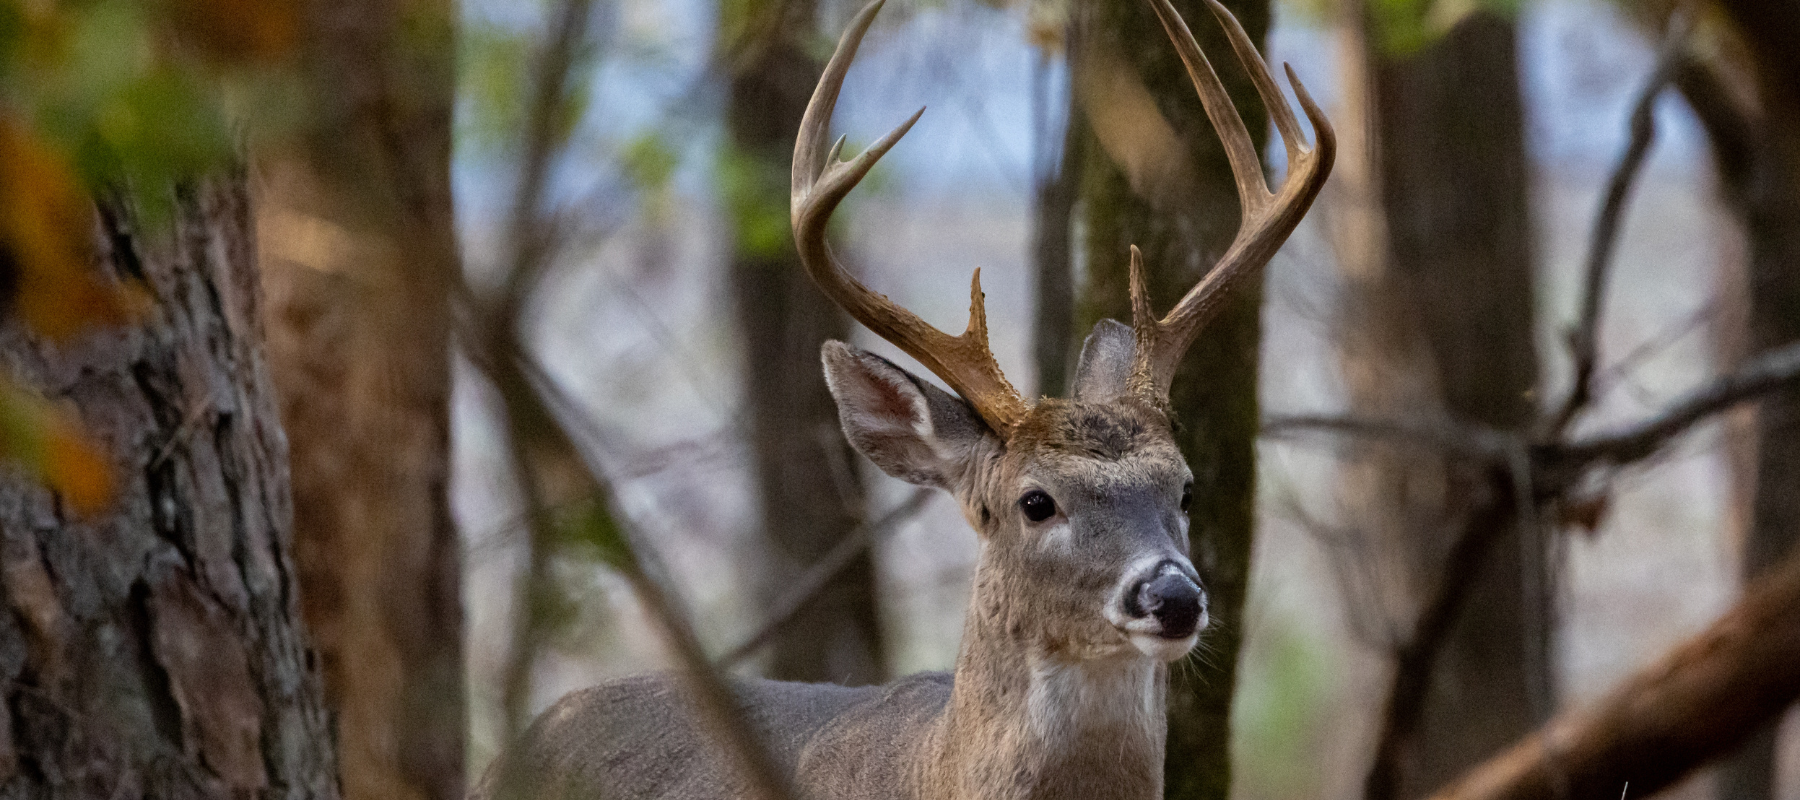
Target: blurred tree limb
<point x="1757" y="154"/>
<point x="570" y="504"/>
<point x="841" y="556"/>
<point x="1694" y="704"/>
<point x="1542" y="472"/>
<point x="809" y="491"/>
<point x="1584" y="338"/>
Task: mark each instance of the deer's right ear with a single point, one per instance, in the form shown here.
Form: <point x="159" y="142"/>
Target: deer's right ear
<point x="911" y="429"/>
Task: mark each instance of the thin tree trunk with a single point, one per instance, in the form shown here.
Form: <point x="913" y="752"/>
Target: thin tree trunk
<point x="1056" y="181"/>
<point x="810" y="492"/>
<point x="1453" y="181"/>
<point x="156" y="649"/>
<point x="1759" y="171"/>
<point x="359" y="254"/>
<point x="1182" y="214"/>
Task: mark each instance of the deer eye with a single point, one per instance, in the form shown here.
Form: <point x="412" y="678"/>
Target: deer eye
<point x="1187" y="495"/>
<point x="1037" y="505"/>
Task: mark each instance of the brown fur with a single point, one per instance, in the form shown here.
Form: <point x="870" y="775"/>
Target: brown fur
<point x="1050" y="699"/>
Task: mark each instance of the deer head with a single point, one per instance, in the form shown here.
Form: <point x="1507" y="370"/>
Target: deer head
<point x="1081" y="502"/>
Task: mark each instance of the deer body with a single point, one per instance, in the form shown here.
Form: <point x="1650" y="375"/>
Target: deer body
<point x="893" y="742"/>
<point x="1046" y="701"/>
<point x="1084" y="591"/>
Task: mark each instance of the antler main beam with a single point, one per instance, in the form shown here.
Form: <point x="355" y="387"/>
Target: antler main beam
<point x="821" y="181"/>
<point x="965" y="362"/>
<point x="1268" y="217"/>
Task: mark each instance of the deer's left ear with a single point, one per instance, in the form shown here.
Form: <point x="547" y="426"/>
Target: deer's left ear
<point x="911" y="429"/>
<point x="1105" y="364"/>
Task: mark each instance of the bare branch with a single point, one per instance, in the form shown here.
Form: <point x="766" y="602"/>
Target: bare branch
<point x="1584" y="340"/>
<point x="566" y="498"/>
<point x="554" y="474"/>
<point x="1695" y="704"/>
<point x="1772" y="371"/>
<point x="530" y="240"/>
<point x="835" y="560"/>
<point x="530" y="246"/>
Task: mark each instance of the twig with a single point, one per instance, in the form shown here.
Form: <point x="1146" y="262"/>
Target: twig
<point x="1584" y="339"/>
<point x="530" y="239"/>
<point x="1772" y="371"/>
<point x="840" y="556"/>
<point x="530" y="247"/>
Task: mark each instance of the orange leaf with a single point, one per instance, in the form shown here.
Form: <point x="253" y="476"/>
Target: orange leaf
<point x="76" y="469"/>
<point x="46" y="223"/>
<point x="49" y="443"/>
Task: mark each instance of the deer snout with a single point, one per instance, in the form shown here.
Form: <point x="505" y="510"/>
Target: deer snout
<point x="1161" y="609"/>
<point x="1173" y="600"/>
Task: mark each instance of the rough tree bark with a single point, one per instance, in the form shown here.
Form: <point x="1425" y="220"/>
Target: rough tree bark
<point x="806" y="475"/>
<point x="359" y="253"/>
<point x="156" y="649"/>
<point x="1179" y="205"/>
<point x="1453" y="183"/>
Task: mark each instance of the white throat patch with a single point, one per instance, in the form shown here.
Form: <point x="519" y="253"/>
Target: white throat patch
<point x="1111" y="697"/>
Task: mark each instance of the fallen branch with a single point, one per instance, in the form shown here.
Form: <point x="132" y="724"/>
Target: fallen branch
<point x="1695" y="704"/>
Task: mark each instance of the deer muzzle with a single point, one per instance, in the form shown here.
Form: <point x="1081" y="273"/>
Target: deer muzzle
<point x="1162" y="609"/>
<point x="1173" y="600"/>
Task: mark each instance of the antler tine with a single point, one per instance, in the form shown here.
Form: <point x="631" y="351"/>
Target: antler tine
<point x="1268" y="218"/>
<point x="1246" y="168"/>
<point x="964" y="362"/>
<point x="1259" y="75"/>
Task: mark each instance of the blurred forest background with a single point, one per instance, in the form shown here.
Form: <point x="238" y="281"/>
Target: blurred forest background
<point x="377" y="372"/>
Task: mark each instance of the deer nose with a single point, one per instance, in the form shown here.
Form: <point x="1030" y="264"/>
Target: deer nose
<point x="1173" y="599"/>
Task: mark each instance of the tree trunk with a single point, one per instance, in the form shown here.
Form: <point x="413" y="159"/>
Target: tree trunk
<point x="1182" y="213"/>
<point x="359" y="253"/>
<point x="1455" y="300"/>
<point x="1056" y="181"/>
<point x="807" y="482"/>
<point x="1759" y="171"/>
<point x="155" y="649"/>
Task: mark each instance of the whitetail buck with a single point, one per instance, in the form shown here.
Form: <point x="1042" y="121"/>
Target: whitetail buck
<point x="1083" y="591"/>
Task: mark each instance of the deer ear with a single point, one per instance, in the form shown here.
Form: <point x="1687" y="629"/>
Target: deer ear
<point x="1105" y="364"/>
<point x="911" y="429"/>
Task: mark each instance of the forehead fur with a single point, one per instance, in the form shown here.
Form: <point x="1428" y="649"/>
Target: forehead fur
<point x="1103" y="431"/>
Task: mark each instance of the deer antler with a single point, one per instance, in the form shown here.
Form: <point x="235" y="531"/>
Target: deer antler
<point x="820" y="183"/>
<point x="1268" y="217"/>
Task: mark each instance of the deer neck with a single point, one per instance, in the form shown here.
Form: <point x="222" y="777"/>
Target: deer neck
<point x="1025" y="723"/>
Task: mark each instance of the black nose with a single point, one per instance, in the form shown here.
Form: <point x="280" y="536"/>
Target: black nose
<point x="1173" y="600"/>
